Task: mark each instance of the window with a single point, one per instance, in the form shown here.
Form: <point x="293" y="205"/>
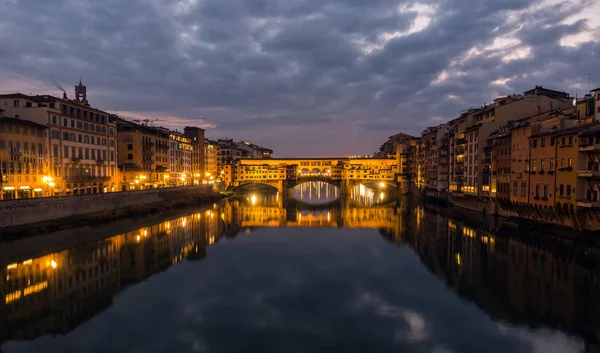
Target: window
<point x="546" y="191"/>
<point x="542" y="162"/>
<point x="543" y="142"/>
<point x="570" y="140"/>
<point x="563" y="141"/>
<point x="552" y="141"/>
<point x="533" y="165"/>
<point x="127" y="138"/>
<point x="55" y="150"/>
<point x="561" y="190"/>
<point x="130" y="156"/>
<point x="568" y="190"/>
<point x="65" y="122"/>
<point x="537" y="190"/>
<point x="562" y="162"/>
<point x="523" y="189"/>
<point x="570" y="162"/>
<point x="130" y="147"/>
<point x="533" y="143"/>
<point x="66" y="152"/>
<point x="16" y="103"/>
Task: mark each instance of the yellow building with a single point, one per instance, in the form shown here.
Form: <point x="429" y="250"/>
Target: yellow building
<point x="567" y="160"/>
<point x="180" y="150"/>
<point x="143" y="155"/>
<point x="23" y="159"/>
<point x="81" y="140"/>
<point x="212" y="173"/>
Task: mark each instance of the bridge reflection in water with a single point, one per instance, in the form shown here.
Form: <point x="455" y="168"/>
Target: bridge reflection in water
<point x="516" y="277"/>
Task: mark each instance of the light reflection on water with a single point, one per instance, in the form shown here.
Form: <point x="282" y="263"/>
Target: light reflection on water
<point x="315" y="192"/>
<point x="318" y="192"/>
<point x="437" y="283"/>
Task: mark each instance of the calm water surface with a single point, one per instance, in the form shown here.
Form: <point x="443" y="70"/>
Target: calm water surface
<point x="262" y="274"/>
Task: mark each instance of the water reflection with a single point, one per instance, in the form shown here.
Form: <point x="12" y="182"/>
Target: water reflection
<point x="315" y="192"/>
<point x="544" y="282"/>
<point x="372" y="194"/>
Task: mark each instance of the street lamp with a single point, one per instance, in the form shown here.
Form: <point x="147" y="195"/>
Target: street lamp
<point x="49" y="183"/>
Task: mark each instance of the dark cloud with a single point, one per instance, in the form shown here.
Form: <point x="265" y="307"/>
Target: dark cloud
<point x="332" y="72"/>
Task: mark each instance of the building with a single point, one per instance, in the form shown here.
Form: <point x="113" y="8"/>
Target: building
<point x="407" y="165"/>
<point x="211" y="160"/>
<point x="475" y="126"/>
<point x="500" y="143"/>
<point x="588" y="173"/>
<point x="82" y="144"/>
<point x="23" y="159"/>
<point x="389" y="148"/>
<point x="596" y="104"/>
<point x="196" y="136"/>
<point x="567" y="166"/>
<point x="180" y="149"/>
<point x="143" y="155"/>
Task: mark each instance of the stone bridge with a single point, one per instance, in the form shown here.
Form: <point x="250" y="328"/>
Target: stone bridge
<point x="285" y="173"/>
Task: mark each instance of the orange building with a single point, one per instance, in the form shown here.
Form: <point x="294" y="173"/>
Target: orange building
<point x="542" y="168"/>
<point x="520" y="163"/>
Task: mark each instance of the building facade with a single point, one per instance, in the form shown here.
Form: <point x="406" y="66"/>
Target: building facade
<point x="180" y="150"/>
<point x="196" y="137"/>
<point x="143" y="155"/>
<point x="82" y="142"/>
<point x="23" y="159"/>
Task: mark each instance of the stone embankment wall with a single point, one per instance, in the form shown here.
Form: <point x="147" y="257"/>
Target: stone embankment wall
<point x="24" y="211"/>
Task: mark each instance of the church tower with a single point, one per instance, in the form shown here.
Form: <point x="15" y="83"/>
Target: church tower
<point x="81" y="93"/>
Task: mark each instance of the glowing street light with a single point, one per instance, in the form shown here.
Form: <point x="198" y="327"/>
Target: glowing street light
<point x="53" y="264"/>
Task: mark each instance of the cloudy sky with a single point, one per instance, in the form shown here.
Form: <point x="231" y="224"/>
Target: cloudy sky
<point x="304" y="77"/>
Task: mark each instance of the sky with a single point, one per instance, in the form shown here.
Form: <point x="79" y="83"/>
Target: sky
<point x="308" y="78"/>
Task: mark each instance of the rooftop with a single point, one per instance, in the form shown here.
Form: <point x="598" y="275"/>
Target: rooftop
<point x="22" y="122"/>
<point x="48" y="98"/>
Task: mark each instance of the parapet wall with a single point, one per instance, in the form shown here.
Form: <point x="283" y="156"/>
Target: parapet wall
<point x="24" y="211"/>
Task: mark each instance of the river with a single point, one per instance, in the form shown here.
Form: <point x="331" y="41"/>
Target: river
<point x="264" y="273"/>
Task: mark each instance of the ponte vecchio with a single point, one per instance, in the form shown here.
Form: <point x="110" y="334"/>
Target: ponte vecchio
<point x="285" y="173"/>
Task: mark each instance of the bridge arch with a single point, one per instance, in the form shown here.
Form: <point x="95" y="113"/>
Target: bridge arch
<point x="256" y="184"/>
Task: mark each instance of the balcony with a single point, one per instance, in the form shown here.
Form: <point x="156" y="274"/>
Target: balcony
<point x="588" y="204"/>
<point x="589" y="147"/>
<point x="461" y="141"/>
<point x="100" y="160"/>
<point x="151" y="144"/>
<point x="76" y="159"/>
<point x="588" y="174"/>
<point x="148" y="153"/>
<point x="15" y="152"/>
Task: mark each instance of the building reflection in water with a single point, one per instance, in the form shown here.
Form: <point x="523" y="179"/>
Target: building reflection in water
<point x="372" y="194"/>
<point x="515" y="277"/>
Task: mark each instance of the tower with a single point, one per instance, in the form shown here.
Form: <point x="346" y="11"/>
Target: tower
<point x="81" y="93"/>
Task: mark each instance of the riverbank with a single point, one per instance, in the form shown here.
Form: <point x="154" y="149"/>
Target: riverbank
<point x="492" y="212"/>
<point x="172" y="199"/>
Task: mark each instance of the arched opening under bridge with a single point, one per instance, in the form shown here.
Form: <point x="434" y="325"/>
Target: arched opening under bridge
<point x="315" y="192"/>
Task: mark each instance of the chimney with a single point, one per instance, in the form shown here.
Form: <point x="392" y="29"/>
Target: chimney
<point x="65" y="95"/>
